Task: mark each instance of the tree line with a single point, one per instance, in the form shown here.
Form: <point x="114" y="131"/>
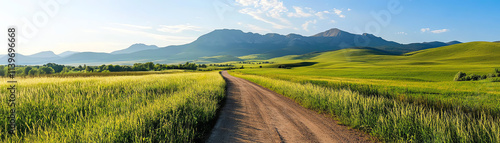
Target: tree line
<point x="53" y="68"/>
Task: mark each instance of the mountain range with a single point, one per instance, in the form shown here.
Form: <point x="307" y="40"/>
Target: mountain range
<point x="230" y="44"/>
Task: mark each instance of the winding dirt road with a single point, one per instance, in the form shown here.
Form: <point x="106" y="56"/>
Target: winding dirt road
<point x="253" y="113"/>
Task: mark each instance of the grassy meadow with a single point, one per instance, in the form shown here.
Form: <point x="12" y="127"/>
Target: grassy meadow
<point x="424" y="77"/>
<point x="177" y="107"/>
<point x="393" y="88"/>
<point x="385" y="118"/>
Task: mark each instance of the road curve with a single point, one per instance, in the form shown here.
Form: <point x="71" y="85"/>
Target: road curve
<point x="253" y="113"/>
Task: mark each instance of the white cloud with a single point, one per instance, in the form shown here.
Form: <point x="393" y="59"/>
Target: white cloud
<point x="256" y="16"/>
<point x="305" y="26"/>
<point x="425" y="29"/>
<point x="299" y="13"/>
<point x="434" y="31"/>
<point x="338" y="12"/>
<point x="263" y="9"/>
<point x="321" y="14"/>
<point x="348" y="9"/>
<point x="333" y="21"/>
<point x="178" y="28"/>
<point x="439" y="31"/>
<point x="135" y="26"/>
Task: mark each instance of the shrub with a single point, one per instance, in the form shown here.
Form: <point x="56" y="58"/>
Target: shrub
<point x="496" y="79"/>
<point x="483" y="77"/>
<point x="491" y="75"/>
<point x="497" y="70"/>
<point x="459" y="76"/>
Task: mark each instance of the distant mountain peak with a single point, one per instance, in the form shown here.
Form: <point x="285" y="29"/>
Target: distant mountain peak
<point x="334" y="32"/>
<point x="135" y="48"/>
<point x="44" y="54"/>
<point x="67" y="53"/>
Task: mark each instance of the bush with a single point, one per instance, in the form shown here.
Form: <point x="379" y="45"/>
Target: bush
<point x="491" y="75"/>
<point x="483" y="77"/>
<point x="459" y="76"/>
<point x="496" y="79"/>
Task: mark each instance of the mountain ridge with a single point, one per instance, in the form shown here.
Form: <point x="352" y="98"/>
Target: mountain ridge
<point x="234" y="42"/>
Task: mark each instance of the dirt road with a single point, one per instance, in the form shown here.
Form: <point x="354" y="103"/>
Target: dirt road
<point x="255" y="114"/>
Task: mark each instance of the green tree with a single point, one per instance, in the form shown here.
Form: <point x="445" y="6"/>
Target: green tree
<point x="20" y="71"/>
<point x="117" y="68"/>
<point x="34" y="72"/>
<point x="57" y="68"/>
<point x="27" y="70"/>
<point x="46" y="70"/>
<point x="101" y="68"/>
<point x="6" y="71"/>
<point x="89" y="69"/>
<point x="65" y="70"/>
<point x="158" y="67"/>
<point x="110" y="68"/>
<point x="150" y="65"/>
<point x="2" y="72"/>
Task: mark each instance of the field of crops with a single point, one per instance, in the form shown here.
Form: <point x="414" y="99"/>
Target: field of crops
<point x="388" y="119"/>
<point x="149" y="108"/>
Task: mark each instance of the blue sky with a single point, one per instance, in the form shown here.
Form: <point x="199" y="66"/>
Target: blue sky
<point x="105" y="26"/>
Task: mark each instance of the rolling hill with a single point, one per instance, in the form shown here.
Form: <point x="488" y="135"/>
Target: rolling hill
<point x="464" y="53"/>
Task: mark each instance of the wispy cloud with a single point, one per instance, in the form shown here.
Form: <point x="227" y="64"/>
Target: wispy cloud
<point x="321" y="14"/>
<point x="439" y="31"/>
<point x="263" y="9"/>
<point x="305" y="26"/>
<point x="299" y="13"/>
<point x="178" y="28"/>
<point x="434" y="31"/>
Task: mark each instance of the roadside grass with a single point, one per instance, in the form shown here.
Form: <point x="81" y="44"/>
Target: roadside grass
<point x="388" y="119"/>
<point x="148" y="108"/>
<point x="470" y="97"/>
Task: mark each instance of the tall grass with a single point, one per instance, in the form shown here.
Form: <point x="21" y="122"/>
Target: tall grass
<point x="385" y="118"/>
<point x="150" y="108"/>
<point x="436" y="97"/>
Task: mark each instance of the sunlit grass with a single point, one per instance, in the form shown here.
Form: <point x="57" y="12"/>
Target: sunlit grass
<point x="149" y="108"/>
<point x="389" y="119"/>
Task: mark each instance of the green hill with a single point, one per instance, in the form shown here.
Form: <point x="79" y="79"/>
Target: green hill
<point x="436" y="64"/>
<point x="472" y="52"/>
<point x="464" y="53"/>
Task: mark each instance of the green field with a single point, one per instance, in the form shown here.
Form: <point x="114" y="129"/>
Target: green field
<point x="177" y="107"/>
<point x="385" y="118"/>
<point x="421" y="81"/>
<point x="424" y="76"/>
